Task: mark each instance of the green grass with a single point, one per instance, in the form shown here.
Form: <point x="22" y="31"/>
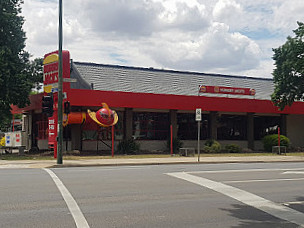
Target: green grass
<point x="75" y="157"/>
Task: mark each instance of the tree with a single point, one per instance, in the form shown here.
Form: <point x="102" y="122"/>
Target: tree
<point x="288" y="74"/>
<point x="17" y="73"/>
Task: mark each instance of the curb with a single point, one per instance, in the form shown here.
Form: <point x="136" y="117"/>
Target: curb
<point x="162" y="163"/>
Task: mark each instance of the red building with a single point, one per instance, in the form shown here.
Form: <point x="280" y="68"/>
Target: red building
<point x="236" y="109"/>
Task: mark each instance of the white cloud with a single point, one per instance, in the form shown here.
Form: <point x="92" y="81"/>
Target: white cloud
<point x="219" y="36"/>
<point x="227" y="11"/>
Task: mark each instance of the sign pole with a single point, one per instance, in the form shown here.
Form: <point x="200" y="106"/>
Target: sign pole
<point x="198" y="118"/>
<point x="198" y="140"/>
<point x="279" y="140"/>
<point x="113" y="134"/>
<point x="60" y="127"/>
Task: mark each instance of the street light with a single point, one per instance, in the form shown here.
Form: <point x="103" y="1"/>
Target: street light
<point x="60" y="127"/>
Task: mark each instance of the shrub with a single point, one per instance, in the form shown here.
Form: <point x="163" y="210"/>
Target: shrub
<point x="233" y="148"/>
<point x="128" y="146"/>
<point x="212" y="146"/>
<point x="176" y="143"/>
<point x="272" y="140"/>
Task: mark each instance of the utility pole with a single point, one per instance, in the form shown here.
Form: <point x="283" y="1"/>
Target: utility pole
<point x="60" y="127"/>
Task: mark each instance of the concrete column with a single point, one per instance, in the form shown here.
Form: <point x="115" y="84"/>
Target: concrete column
<point x="173" y="122"/>
<point x="128" y="123"/>
<point x="250" y="130"/>
<point x="213" y="125"/>
<point x="283" y="124"/>
<point x="76" y="137"/>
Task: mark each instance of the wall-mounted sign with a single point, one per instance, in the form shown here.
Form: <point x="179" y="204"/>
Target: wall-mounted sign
<point x="226" y="90"/>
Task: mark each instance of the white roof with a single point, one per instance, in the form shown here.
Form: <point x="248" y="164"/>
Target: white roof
<point x="149" y="80"/>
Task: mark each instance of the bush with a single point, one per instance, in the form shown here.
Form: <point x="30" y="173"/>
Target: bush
<point x="212" y="146"/>
<point x="176" y="143"/>
<point x="272" y="140"/>
<point x="128" y="146"/>
<point x="232" y="148"/>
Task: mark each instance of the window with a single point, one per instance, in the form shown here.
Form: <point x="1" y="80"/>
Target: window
<point x="232" y="127"/>
<point x="150" y="125"/>
<point x="187" y="126"/>
<point x="265" y="125"/>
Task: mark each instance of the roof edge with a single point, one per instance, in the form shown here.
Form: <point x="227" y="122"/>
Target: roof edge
<point x="171" y="71"/>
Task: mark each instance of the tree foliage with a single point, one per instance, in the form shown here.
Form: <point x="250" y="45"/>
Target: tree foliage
<point x="17" y="73"/>
<point x="289" y="70"/>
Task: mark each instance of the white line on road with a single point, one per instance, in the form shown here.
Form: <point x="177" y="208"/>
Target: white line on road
<point x="248" y="198"/>
<point x="293" y="202"/>
<point x="79" y="218"/>
<point x="243" y="171"/>
<point x="269" y="180"/>
<point x="293" y="172"/>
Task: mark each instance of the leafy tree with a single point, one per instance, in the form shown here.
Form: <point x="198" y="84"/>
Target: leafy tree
<point x="289" y="70"/>
<point x="17" y="73"/>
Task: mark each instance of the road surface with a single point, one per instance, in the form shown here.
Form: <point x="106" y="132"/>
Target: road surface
<point x="199" y="195"/>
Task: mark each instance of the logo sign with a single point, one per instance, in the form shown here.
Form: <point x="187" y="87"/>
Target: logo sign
<point x="198" y="114"/>
<point x="226" y="90"/>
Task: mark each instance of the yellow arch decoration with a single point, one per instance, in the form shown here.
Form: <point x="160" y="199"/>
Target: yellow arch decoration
<point x="51" y="59"/>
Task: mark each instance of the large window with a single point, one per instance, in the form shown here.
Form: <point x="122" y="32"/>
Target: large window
<point x="150" y="125"/>
<point x="265" y="125"/>
<point x="232" y="127"/>
<point x="187" y="126"/>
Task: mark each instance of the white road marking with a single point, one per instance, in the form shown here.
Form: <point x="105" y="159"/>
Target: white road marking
<point x="243" y="171"/>
<point x="79" y="218"/>
<point x="248" y="198"/>
<point x="268" y="180"/>
<point x="293" y="172"/>
<point x="294" y="202"/>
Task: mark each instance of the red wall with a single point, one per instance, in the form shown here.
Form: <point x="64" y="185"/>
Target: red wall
<point x="179" y="102"/>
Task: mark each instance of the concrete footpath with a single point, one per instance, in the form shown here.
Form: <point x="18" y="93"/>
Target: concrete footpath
<point x="145" y="161"/>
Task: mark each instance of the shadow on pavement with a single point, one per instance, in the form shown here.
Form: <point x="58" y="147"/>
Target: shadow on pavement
<point x="253" y="218"/>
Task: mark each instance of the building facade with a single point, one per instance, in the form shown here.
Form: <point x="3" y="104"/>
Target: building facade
<point x="148" y="101"/>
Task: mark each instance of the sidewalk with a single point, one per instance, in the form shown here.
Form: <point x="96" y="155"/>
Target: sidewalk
<point x="145" y="161"/>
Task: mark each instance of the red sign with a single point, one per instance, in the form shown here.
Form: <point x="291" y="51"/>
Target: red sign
<point x="18" y="137"/>
<point x="50" y="81"/>
<point x="50" y="73"/>
<point x="52" y="129"/>
<point x="226" y="90"/>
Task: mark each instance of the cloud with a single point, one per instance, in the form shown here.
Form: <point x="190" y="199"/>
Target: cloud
<point x="228" y="12"/>
<point x="121" y="17"/>
<point x="219" y="36"/>
<point x="215" y="50"/>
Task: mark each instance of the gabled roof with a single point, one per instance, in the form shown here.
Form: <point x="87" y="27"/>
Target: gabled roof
<point x="149" y="80"/>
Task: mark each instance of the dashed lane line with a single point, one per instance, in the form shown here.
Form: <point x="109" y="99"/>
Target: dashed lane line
<point x="79" y="218"/>
<point x="248" y="198"/>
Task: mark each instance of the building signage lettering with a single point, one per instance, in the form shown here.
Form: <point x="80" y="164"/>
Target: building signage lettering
<point x="226" y="90"/>
<point x="50" y="73"/>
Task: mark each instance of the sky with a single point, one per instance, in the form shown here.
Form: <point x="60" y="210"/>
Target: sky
<point x="233" y="37"/>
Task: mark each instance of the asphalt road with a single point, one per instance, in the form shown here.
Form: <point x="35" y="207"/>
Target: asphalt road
<point x="201" y="195"/>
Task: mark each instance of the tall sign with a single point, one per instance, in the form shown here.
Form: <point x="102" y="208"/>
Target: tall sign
<point x="50" y="83"/>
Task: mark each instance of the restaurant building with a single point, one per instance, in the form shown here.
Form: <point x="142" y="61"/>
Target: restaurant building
<point x="235" y="109"/>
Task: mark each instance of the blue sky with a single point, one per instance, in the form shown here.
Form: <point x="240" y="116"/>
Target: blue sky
<point x="211" y="36"/>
